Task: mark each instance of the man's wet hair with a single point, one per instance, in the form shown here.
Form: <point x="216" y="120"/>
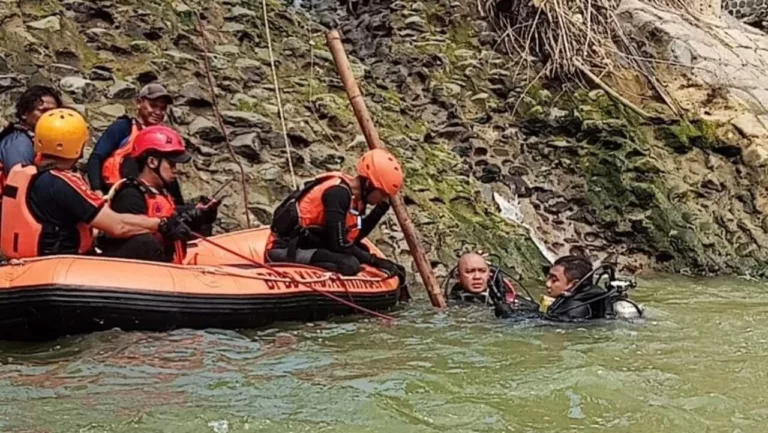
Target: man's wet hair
<point x="28" y="100"/>
<point x="574" y="267"/>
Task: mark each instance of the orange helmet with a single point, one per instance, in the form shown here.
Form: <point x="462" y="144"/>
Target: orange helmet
<point x="62" y="133"/>
<point x="382" y="170"/>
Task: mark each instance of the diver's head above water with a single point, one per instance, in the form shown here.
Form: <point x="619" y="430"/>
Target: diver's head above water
<point x="566" y="273"/>
<point x="474" y="273"/>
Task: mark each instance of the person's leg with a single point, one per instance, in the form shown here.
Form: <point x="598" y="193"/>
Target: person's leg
<point x="141" y="247"/>
<point x="343" y="264"/>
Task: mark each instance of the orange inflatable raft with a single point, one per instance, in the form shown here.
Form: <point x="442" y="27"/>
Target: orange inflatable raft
<point x="60" y="295"/>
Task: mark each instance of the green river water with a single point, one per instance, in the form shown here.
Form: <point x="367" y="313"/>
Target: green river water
<point x="697" y="363"/>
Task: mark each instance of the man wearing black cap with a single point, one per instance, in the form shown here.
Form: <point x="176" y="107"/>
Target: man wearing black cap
<point x="110" y="160"/>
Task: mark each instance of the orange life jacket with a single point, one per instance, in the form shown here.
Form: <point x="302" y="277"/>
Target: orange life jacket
<point x="305" y="210"/>
<point x="110" y="169"/>
<point x="20" y="230"/>
<point x="159" y="205"/>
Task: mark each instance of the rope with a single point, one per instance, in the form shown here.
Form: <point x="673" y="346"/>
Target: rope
<point x="277" y="94"/>
<point x="290" y="279"/>
<point x="386" y="318"/>
<point x="212" y="85"/>
<point x="311" y="98"/>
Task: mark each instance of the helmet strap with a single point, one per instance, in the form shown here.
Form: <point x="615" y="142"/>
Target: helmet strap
<point x="156" y="170"/>
<point x="365" y="187"/>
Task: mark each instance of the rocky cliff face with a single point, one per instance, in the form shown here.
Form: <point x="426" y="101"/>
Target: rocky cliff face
<point x="99" y="54"/>
<point x="587" y="174"/>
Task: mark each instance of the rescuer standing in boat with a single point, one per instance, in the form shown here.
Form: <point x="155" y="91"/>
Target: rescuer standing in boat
<point x="110" y="159"/>
<point x="324" y="223"/>
<point x="49" y="209"/>
<point x="156" y="151"/>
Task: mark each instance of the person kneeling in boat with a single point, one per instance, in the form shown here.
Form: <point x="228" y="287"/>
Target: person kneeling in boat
<point x="479" y="282"/>
<point x="156" y="151"/>
<point x="573" y="294"/>
<point x="322" y="224"/>
<point x="48" y="209"/>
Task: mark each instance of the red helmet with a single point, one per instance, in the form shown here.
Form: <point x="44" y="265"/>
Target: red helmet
<point x="382" y="170"/>
<point x="160" y="139"/>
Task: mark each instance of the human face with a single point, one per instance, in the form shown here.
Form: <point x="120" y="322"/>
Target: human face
<point x="44" y="104"/>
<point x="557" y="282"/>
<point x="168" y="170"/>
<point x="474" y="274"/>
<point x="152" y="111"/>
<point x="162" y="172"/>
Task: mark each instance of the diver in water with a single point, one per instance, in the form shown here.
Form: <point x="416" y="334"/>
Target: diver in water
<point x="573" y="291"/>
<point x="479" y="282"/>
<point x="574" y="294"/>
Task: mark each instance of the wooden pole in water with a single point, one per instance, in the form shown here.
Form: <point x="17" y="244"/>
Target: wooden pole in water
<point x="374" y="142"/>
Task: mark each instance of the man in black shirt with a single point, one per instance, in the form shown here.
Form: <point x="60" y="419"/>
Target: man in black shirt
<point x="156" y="150"/>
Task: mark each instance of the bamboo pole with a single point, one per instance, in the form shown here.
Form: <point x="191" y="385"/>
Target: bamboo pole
<point x="374" y="142"/>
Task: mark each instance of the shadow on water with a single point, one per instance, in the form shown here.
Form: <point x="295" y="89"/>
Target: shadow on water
<point x="696" y="364"/>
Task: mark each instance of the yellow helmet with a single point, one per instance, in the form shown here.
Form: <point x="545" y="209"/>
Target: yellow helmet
<point x="62" y="133"/>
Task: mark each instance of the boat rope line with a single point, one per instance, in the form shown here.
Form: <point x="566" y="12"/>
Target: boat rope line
<point x="343" y="301"/>
<point x="220" y="120"/>
<point x="325" y="276"/>
<point x="277" y="94"/>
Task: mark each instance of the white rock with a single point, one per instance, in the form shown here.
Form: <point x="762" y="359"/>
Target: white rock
<point x="50" y="23"/>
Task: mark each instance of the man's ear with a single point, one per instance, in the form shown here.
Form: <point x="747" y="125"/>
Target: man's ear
<point x="153" y="163"/>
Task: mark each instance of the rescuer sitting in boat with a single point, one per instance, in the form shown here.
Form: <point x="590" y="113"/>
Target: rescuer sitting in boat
<point x="323" y="223"/>
<point x="479" y="282"/>
<point x="49" y="209"/>
<point x="156" y="151"/>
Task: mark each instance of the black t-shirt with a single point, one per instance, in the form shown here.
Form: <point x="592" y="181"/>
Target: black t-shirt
<point x="60" y="206"/>
<point x="129" y="199"/>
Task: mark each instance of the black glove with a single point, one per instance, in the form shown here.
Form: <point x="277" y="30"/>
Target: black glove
<point x="209" y="208"/>
<point x="203" y="214"/>
<point x="394" y="269"/>
<point x="391" y="268"/>
<point x="175" y="229"/>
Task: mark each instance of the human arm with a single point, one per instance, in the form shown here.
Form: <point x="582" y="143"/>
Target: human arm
<point x="124" y="225"/>
<point x="371" y="220"/>
<point x="108" y="143"/>
<point x="131" y="201"/>
<point x="336" y="202"/>
<point x="16" y="149"/>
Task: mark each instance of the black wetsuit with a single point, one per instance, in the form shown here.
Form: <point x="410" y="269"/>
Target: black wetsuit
<point x="495" y="294"/>
<point x="329" y="248"/>
<point x="589" y="303"/>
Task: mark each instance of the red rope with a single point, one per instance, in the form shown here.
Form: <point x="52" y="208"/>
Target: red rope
<point x="351" y="304"/>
